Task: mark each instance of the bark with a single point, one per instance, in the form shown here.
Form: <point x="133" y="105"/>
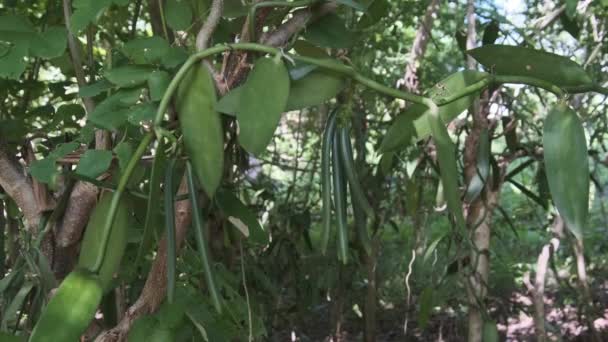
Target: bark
<point x="205" y="33"/>
<point x="479" y="211"/>
<point x="371" y="293"/>
<point x="410" y="81"/>
<point x="84" y="195"/>
<point x="155" y="288"/>
<point x="18" y="186"/>
<point x="539" y="288"/>
<point x="298" y="21"/>
<point x="3" y="227"/>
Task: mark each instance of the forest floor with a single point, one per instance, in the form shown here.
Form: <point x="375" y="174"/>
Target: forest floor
<point x="515" y="323"/>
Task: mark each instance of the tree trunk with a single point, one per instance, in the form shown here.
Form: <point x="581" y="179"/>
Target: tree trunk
<point x="410" y="79"/>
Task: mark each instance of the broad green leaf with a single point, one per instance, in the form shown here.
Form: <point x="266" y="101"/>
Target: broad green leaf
<point x="229" y="103"/>
<point x="6" y="337"/>
<point x="314" y="89"/>
<point x="171" y="315"/>
<point x="142" y="112"/>
<point x="44" y="170"/>
<point x="234" y="9"/>
<point x="12" y="61"/>
<point x="311" y="90"/>
<point x="570" y="25"/>
<point x="330" y="32"/>
<point x="262" y="102"/>
<point x="300" y="70"/>
<point x="178" y="14"/>
<point x="571" y="8"/>
<point x="431" y="249"/>
<point x="124" y="151"/>
<point x="129" y="75"/>
<point x="426" y="307"/>
<point x="93" y="163"/>
<point x="148" y="50"/>
<point x="305" y="48"/>
<point x="16" y="303"/>
<point x="519" y="61"/>
<point x="490" y="33"/>
<point x="95" y="89"/>
<point x="63" y="149"/>
<point x="158" y="81"/>
<point x="87" y="11"/>
<point x="351" y="3"/>
<point x="142" y="329"/>
<point x="413" y="124"/>
<point x="490" y="332"/>
<point x="241" y="217"/>
<point x="174" y="57"/>
<point x="113" y="112"/>
<point x="201" y="127"/>
<point x="50" y="43"/>
<point x="377" y="10"/>
<point x="567" y="166"/>
<point x="69" y="111"/>
<point x="448" y="168"/>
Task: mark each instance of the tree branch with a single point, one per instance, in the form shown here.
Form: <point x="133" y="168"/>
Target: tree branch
<point x="281" y="35"/>
<point x="17" y="185"/>
<point x="155" y="288"/>
<point x="204" y="35"/>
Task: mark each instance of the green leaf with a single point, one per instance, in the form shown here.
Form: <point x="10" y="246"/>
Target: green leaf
<point x="262" y="102"/>
<point x="570" y="25"/>
<point x="178" y="14"/>
<point x="6" y="337"/>
<point x="95" y="89"/>
<point x="149" y="50"/>
<point x="93" y="163"/>
<point x="446" y="156"/>
<point x="330" y="32"/>
<point x="158" y="81"/>
<point x="490" y="33"/>
<point x="234" y="9"/>
<point x="567" y="166"/>
<point x="571" y="8"/>
<point x="426" y="307"/>
<point x="142" y="112"/>
<point x="241" y="217"/>
<point x="174" y="57"/>
<point x="352" y="4"/>
<point x="63" y="149"/>
<point x="171" y="315"/>
<point x="201" y="127"/>
<point x="490" y="332"/>
<point x="413" y="124"/>
<point x="50" y="43"/>
<point x="113" y="112"/>
<point x="519" y="61"/>
<point x="314" y="89"/>
<point x="377" y="10"/>
<point x="44" y="170"/>
<point x="142" y="329"/>
<point x="16" y="304"/>
<point x="124" y="151"/>
<point x="69" y="111"/>
<point x="129" y="75"/>
<point x="12" y="61"/>
<point x="311" y="90"/>
<point x="305" y="48"/>
<point x="87" y="11"/>
<point x="229" y="103"/>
